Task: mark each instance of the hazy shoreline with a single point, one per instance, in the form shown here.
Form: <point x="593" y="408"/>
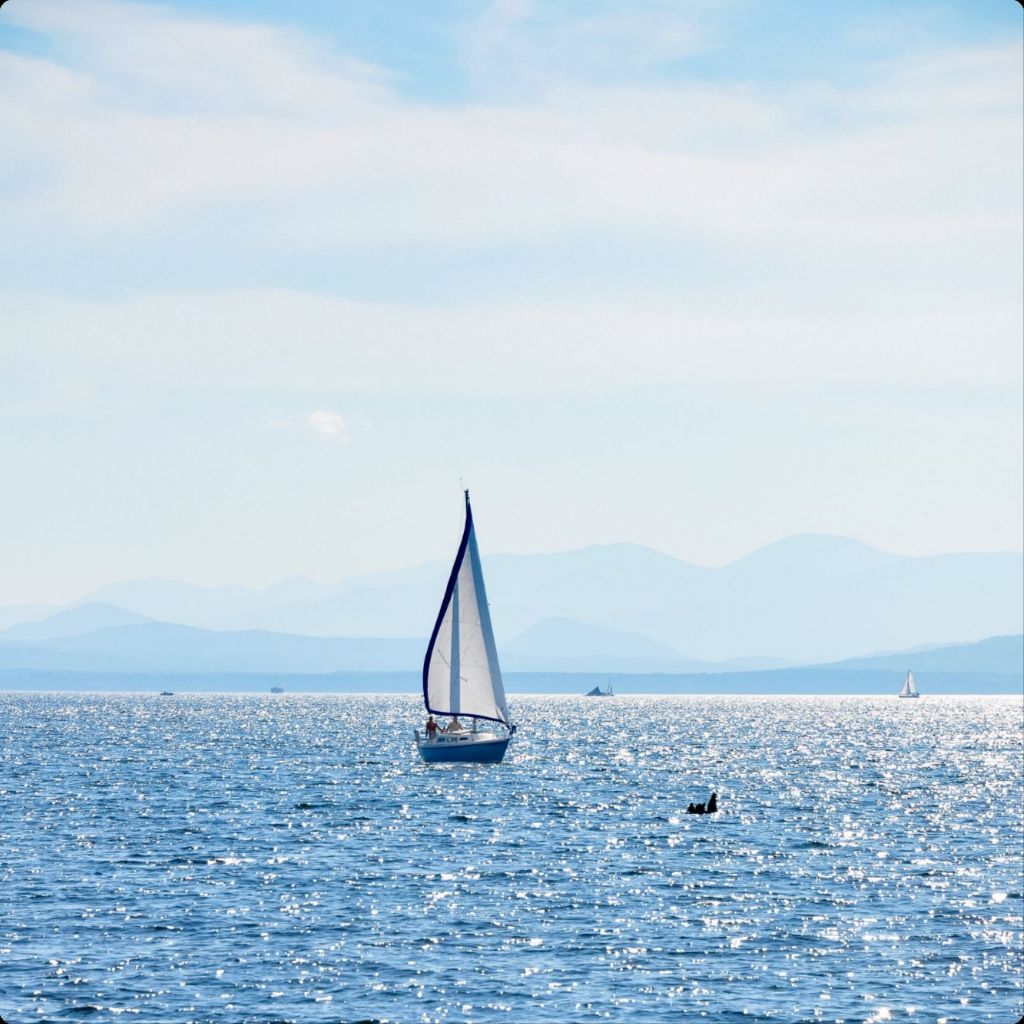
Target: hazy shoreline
<point x="774" y="682"/>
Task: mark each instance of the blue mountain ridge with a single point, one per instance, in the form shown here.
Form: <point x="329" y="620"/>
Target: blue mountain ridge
<point x="154" y="648"/>
<point x="803" y="600"/>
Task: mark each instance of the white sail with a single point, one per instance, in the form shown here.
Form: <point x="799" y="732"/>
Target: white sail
<point x="909" y="688"/>
<point x="461" y="675"/>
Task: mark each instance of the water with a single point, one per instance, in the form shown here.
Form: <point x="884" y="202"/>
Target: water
<point x="256" y="858"/>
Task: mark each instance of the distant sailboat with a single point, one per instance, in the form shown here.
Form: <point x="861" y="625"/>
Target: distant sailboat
<point x="277" y="689"/>
<point x="461" y="675"/>
<point x="909" y="687"/>
<point x="598" y="692"/>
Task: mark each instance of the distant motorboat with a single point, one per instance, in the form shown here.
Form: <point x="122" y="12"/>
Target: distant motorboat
<point x="909" y="687"/>
<point x="461" y="675"/>
<point x="166" y="693"/>
<point x="598" y="692"/>
<point x="277" y="689"/>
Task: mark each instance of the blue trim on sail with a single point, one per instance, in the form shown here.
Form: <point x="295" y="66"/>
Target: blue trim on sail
<point x="453" y="581"/>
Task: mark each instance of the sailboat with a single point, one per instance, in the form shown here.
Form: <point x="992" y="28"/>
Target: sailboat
<point x="461" y="674"/>
<point x="909" y="687"/>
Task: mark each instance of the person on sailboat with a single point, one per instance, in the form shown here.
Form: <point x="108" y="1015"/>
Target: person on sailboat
<point x="431" y="728"/>
<point x="455" y="725"/>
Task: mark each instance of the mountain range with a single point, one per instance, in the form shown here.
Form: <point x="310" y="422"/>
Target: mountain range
<point x="615" y="608"/>
<point x="159" y="647"/>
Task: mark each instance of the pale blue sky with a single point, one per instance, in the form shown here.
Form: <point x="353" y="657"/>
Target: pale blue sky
<point x="696" y="275"/>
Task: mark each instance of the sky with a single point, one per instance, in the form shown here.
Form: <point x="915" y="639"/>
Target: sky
<point x="276" y="280"/>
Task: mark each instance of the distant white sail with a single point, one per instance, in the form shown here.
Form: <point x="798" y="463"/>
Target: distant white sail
<point x="461" y="675"/>
<point x="909" y="688"/>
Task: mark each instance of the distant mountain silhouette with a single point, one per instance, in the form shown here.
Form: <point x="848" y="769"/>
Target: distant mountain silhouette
<point x="188" y="604"/>
<point x="153" y="648"/>
<point x="806" y="599"/>
<point x="566" y="645"/>
<point x="86" y="618"/>
<point x="1003" y="655"/>
<point x="17" y="614"/>
<point x="160" y="647"/>
<point x="569" y="638"/>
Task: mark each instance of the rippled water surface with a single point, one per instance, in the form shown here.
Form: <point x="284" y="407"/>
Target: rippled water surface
<point x="257" y="858"/>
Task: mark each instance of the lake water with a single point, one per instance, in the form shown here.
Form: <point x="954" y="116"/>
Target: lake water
<point x="267" y="859"/>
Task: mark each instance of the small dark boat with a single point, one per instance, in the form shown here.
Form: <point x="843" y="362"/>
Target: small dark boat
<point x="277" y="689"/>
<point x="166" y="693"/>
<point x="598" y="692"/>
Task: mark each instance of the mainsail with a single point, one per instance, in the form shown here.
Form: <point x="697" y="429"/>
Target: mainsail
<point x="909" y="688"/>
<point x="461" y="675"/>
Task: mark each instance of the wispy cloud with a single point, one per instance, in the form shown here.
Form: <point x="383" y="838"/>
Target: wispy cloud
<point x="649" y="274"/>
<point x="252" y="341"/>
<point x="151" y="114"/>
<point x="517" y="45"/>
<point x="329" y="425"/>
<point x="158" y="112"/>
